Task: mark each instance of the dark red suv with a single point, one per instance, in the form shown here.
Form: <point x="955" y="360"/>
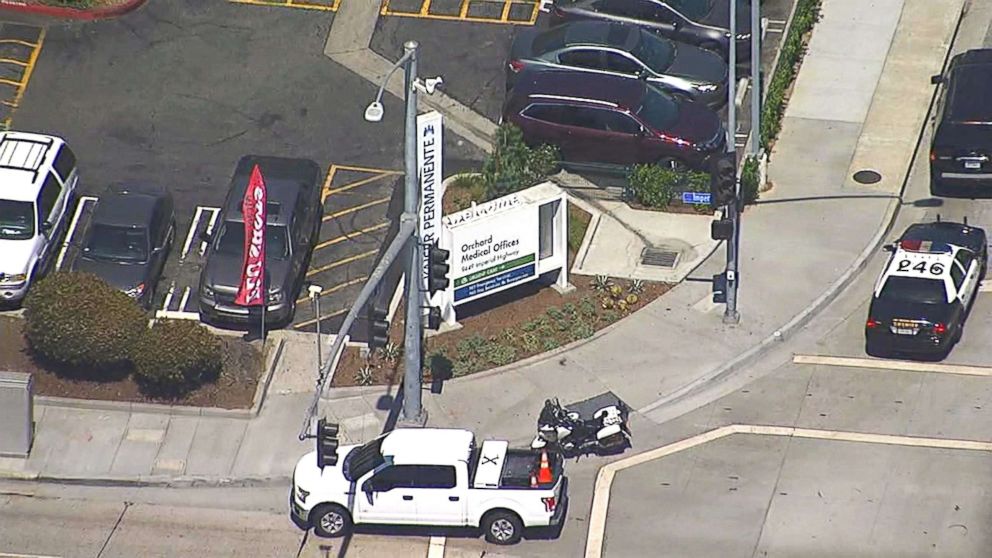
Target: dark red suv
<point x="602" y="122"/>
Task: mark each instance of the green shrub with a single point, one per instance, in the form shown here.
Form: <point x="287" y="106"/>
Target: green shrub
<point x="656" y="186"/>
<point x="513" y="165"/>
<point x="790" y="56"/>
<point x="175" y="356"/>
<point x="81" y="324"/>
<point x="750" y="180"/>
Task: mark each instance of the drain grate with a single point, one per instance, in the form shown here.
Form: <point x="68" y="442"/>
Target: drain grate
<point x="659" y="257"/>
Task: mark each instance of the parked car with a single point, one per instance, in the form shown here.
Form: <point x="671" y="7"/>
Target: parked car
<point x="129" y="238"/>
<point x="431" y="477"/>
<point x="961" y="148"/>
<point x="292" y="227"/>
<point x="926" y="290"/>
<point x="686" y="71"/>
<point x="609" y="123"/>
<point x="705" y="23"/>
<point x="38" y="179"/>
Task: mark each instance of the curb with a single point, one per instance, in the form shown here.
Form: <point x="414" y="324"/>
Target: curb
<point x="71" y="13"/>
<point x="261" y="390"/>
<point x="684" y="395"/>
<point x="157" y="481"/>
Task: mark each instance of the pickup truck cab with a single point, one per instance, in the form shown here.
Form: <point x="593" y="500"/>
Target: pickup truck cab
<point x="430" y="477"/>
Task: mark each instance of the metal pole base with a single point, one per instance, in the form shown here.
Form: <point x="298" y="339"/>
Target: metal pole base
<point x="731" y="317"/>
<point x="416" y="422"/>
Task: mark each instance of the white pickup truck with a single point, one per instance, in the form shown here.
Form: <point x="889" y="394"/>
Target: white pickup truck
<point x="435" y="477"/>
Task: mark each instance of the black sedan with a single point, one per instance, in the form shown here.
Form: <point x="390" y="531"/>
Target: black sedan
<point x="705" y="23"/>
<point x="601" y="47"/>
<point x="128" y="240"/>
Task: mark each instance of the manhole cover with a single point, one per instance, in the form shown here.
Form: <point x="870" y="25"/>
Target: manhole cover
<point x="867" y="177"/>
<point x="659" y="257"/>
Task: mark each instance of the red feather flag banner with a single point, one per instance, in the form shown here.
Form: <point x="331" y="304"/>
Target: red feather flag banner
<point x="251" y="290"/>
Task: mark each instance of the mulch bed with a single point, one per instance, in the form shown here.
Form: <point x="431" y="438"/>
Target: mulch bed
<point x="77" y="4"/>
<point x="234" y="389"/>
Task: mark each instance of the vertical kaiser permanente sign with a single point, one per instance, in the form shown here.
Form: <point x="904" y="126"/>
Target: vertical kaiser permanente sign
<point x="430" y="140"/>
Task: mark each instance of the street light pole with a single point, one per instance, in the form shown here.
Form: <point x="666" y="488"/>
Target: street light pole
<point x="730" y="314"/>
<point x="315" y="291"/>
<point x="413" y="412"/>
<point x="756" y="88"/>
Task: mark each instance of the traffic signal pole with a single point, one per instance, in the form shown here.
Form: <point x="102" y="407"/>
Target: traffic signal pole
<point x="413" y="412"/>
<point x="730" y="314"/>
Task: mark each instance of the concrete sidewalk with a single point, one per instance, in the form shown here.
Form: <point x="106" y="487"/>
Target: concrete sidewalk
<point x="808" y="236"/>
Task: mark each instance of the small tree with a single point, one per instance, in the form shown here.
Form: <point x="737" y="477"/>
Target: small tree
<point x="513" y="165"/>
<point x="78" y="321"/>
<point x="176" y="356"/>
<point x="750" y="178"/>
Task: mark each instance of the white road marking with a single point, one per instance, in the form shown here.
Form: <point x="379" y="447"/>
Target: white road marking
<point x="985" y="287"/>
<point x="604" y="480"/>
<point x="184" y="299"/>
<point x="900" y="365"/>
<point x="83" y="200"/>
<point x="215" y="211"/>
<point x="168" y="296"/>
<point x="9" y="555"/>
<point x="545" y="5"/>
<point x="176" y="315"/>
<point x="145" y="435"/>
<point x="192" y="231"/>
<point x="436" y="547"/>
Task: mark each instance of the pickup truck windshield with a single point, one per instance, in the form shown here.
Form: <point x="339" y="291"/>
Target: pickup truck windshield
<point x="363" y="459"/>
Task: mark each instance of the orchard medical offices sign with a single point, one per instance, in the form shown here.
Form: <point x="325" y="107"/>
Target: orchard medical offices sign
<point x="504" y="243"/>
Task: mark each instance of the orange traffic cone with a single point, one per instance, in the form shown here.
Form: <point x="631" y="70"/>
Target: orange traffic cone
<point x="544" y="475"/>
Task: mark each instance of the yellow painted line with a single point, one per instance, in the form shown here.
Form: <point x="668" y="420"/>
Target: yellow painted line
<point x="366" y="169"/>
<point x="355" y="184"/>
<point x="604" y="479"/>
<point x="464" y="11"/>
<point x="6" y="81"/>
<point x="425" y="8"/>
<point x="22" y="42"/>
<point x="26" y="78"/>
<point x="341" y="262"/>
<point x="336" y="288"/>
<point x="289" y="4"/>
<point x="13" y="61"/>
<point x="355" y="208"/>
<point x="302" y="325"/>
<point x="331" y="171"/>
<point x="898" y="365"/>
<point x="350" y="236"/>
<point x="505" y="16"/>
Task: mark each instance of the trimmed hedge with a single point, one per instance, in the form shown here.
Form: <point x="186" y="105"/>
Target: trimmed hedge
<point x="175" y="356"/>
<point x="656" y="186"/>
<point x="790" y="57"/>
<point x="80" y="322"/>
<point x="513" y="165"/>
<point x="750" y="176"/>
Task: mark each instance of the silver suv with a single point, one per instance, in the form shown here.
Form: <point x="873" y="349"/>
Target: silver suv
<point x="38" y="179"/>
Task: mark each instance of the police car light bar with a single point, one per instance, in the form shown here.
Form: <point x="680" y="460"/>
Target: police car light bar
<point x="927" y="246"/>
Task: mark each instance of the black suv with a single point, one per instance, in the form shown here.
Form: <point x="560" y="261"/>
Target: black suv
<point x="961" y="152"/>
<point x="292" y="228"/>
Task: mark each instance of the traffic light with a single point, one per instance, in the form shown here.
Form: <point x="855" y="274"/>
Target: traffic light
<point x="723" y="180"/>
<point x="327" y="443"/>
<point x="720" y="288"/>
<point x="433" y="318"/>
<point x="437" y="268"/>
<point x="722" y="229"/>
<point x="378" y="326"/>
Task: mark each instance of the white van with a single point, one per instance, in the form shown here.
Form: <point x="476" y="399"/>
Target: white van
<point x="38" y="179"/>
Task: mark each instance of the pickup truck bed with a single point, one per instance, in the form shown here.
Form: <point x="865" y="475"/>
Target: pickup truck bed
<point x="496" y="466"/>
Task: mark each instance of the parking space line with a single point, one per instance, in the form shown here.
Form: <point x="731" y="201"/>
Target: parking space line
<point x="897" y="365"/>
<point x="604" y="479"/>
<point x="28" y="71"/>
<point x="323" y="317"/>
<point x="184" y="299"/>
<point x="83" y="200"/>
<point x="341" y="262"/>
<point x="292" y="4"/>
<point x="350" y="235"/>
<point x="168" y="296"/>
<point x="435" y="548"/>
<point x="337" y="288"/>
<point x="985" y="287"/>
<point x="354" y="185"/>
<point x="463" y="14"/>
<point x="176" y="315"/>
<point x="13" y="61"/>
<point x="215" y="212"/>
<point x="355" y="208"/>
<point x="378" y="174"/>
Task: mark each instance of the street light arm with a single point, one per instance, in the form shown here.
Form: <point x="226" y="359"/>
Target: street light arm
<point x="396" y="66"/>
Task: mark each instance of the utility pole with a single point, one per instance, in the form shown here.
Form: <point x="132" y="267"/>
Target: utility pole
<point x="413" y="412"/>
<point x="756" y="88"/>
<point x="730" y="314"/>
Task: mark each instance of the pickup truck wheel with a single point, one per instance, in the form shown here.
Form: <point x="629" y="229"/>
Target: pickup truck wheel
<point x="330" y="521"/>
<point x="502" y="527"/>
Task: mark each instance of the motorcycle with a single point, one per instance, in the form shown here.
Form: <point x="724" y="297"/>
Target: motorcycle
<point x="560" y="428"/>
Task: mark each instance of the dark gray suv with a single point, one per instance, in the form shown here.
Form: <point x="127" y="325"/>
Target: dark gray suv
<point x="292" y="228"/>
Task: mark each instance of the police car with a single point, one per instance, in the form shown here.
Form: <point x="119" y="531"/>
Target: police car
<point x="922" y="298"/>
